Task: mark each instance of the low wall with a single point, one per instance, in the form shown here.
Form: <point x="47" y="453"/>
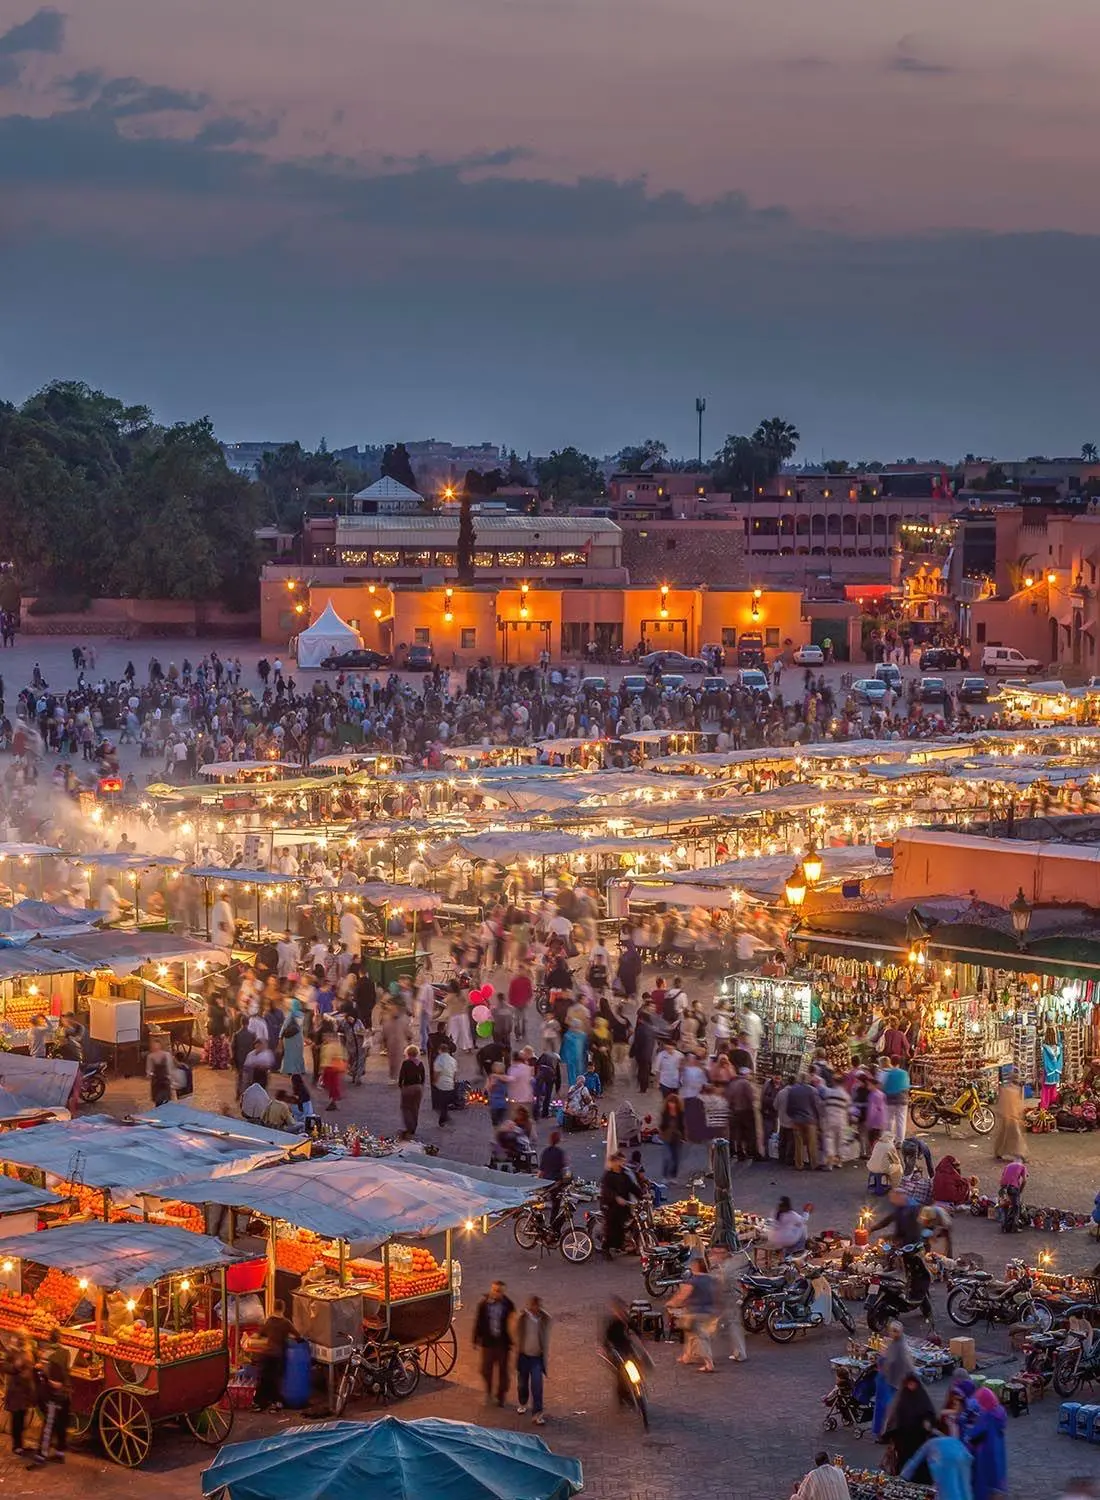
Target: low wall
<point x="131" y="618"/>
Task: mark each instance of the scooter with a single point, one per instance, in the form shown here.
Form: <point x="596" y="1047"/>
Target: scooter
<point x="893" y="1293"/>
<point x="93" y="1082"/>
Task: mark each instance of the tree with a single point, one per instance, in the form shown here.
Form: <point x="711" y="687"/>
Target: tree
<point x="484" y="484"/>
<point x="741" y="465"/>
<point x="288" y="473"/>
<point x="397" y="465"/>
<point x="517" y="470"/>
<point x="650" y="454"/>
<point x="836" y="466"/>
<point x="1090" y="453"/>
<point x="569" y="474"/>
<point x="778" y="439"/>
<point x="467" y="539"/>
<point x="995" y="479"/>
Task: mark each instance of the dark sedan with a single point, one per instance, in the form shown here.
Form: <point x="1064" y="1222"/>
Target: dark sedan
<point x="973" y="690"/>
<point x="360" y="660"/>
<point x="940" y="659"/>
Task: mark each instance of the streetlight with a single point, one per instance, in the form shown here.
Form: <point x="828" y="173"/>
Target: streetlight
<point x="795" y="888"/>
<point x="1020" y="911"/>
<point x="811" y="864"/>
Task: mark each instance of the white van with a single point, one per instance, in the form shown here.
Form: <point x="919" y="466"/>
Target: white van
<point x="1007" y="659"/>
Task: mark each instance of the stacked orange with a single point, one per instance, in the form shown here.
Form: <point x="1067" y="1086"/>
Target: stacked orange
<point x="59" y="1292"/>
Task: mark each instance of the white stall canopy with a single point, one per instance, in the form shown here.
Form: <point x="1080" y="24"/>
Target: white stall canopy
<point x="326" y="635"/>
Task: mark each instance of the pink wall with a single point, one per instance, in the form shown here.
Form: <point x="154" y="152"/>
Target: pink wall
<point x="929" y="863"/>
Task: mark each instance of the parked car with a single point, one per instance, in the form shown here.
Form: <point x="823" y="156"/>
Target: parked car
<point x="1007" y="659"/>
<point x="419" y="659"/>
<point x="593" y="685"/>
<point x="809" y="656"/>
<point x="362" y="660"/>
<point x="632" y="685"/>
<point x="932" y="690"/>
<point x="672" y="682"/>
<point x="672" y="661"/>
<point x="890" y="674"/>
<point x="714" y="685"/>
<point x="973" y="690"/>
<point x="940" y="659"/>
<point x="753" y="679"/>
<point x="870" y="690"/>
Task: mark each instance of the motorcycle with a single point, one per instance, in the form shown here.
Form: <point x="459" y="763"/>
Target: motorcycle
<point x="1076" y="1365"/>
<point x="757" y="1291"/>
<point x="664" y="1267"/>
<point x="792" y="1312"/>
<point x="928" y="1108"/>
<point x="977" y="1295"/>
<point x="382" y="1370"/>
<point x="93" y="1082"/>
<point x="893" y="1294"/>
<point x="632" y="1391"/>
<point x="551" y="1225"/>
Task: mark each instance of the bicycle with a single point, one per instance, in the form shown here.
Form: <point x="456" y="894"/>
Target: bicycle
<point x="385" y="1371"/>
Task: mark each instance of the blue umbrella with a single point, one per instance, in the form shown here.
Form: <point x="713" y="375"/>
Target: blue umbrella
<point x="389" y="1459"/>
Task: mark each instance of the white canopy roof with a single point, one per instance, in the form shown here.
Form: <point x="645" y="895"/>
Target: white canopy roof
<point x="324" y="636"/>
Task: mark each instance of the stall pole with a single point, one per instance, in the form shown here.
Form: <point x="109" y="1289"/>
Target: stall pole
<point x="386" y="1278"/>
<point x="343" y="1262"/>
<point x="206" y="904"/>
<point x="269" y="1281"/>
<point x="156" y="1320"/>
<point x="257" y="911"/>
<point x="137" y="899"/>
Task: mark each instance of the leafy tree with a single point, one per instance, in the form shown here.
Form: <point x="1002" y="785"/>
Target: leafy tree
<point x="741" y="464"/>
<point x="287" y="474"/>
<point x="836" y="466"/>
<point x="778" y="439"/>
<point x="995" y="479"/>
<point x="396" y="464"/>
<point x="569" y="474"/>
<point x="517" y="470"/>
<point x="484" y="484"/>
<point x="467" y="539"/>
<point x="650" y="454"/>
<point x="1090" y="453"/>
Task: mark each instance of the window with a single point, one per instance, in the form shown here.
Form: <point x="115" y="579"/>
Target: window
<point x="353" y="558"/>
<point x="729" y="635"/>
<point x="979" y="632"/>
<point x="572" y="559"/>
<point x="444" y="559"/>
<point x="542" y="559"/>
<point x="387" y="559"/>
<point x="422" y="636"/>
<point x="510" y="559"/>
<point x="484" y="560"/>
<point x="771" y="636"/>
<point x="418" y="559"/>
<point x="468" y="638"/>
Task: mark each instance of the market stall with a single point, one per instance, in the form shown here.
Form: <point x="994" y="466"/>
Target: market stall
<point x="342" y="1237"/>
<point x="141" y="1307"/>
<point x="390" y="948"/>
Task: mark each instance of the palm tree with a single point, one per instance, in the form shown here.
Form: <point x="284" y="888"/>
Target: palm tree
<point x="1089" y="452"/>
<point x="777" y="438"/>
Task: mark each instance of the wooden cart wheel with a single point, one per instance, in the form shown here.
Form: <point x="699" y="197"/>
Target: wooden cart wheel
<point x="212" y="1425"/>
<point x="437" y="1359"/>
<point x="124" y="1428"/>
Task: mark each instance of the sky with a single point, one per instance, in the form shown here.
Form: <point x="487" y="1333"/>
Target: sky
<point x="541" y="222"/>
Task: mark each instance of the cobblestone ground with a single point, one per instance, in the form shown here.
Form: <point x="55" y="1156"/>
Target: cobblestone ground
<point x="747" y="1432"/>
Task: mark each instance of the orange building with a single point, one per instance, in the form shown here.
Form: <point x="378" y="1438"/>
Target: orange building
<point x="514" y="625"/>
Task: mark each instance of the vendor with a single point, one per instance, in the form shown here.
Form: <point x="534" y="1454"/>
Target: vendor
<point x="275" y="1333"/>
<point x="948" y="1183"/>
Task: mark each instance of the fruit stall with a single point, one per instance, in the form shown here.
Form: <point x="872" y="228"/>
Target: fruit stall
<point x="125" y="1172"/>
<point x="345" y="1244"/>
<point x="140" y="1308"/>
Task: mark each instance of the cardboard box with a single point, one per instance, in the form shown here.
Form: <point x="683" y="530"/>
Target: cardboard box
<point x="963" y="1350"/>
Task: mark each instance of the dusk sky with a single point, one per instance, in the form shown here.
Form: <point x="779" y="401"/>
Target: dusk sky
<point x="551" y="221"/>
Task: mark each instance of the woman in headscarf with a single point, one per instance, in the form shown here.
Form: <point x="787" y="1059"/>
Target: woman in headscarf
<point x="574" y="1051"/>
<point x="292" y="1041"/>
<point x="984" y="1435"/>
<point x="948" y="1183"/>
<point x="1008" y="1140"/>
<point x="908" y="1422"/>
<point x="894" y="1364"/>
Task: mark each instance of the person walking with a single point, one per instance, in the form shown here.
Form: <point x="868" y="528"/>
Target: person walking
<point x="410" y="1087"/>
<point x="695" y="1298"/>
<point x="20" y="1395"/>
<point x="672" y="1134"/>
<point x="727" y="1269"/>
<point x="493" y="1336"/>
<point x="804" y="1113"/>
<point x="642" y="1048"/>
<point x="949" y="1464"/>
<point x="56" y="1382"/>
<point x="444" y="1076"/>
<point x="894" y="1082"/>
<point x="158" y="1070"/>
<point x="1008" y="1139"/>
<point x="273" y="1335"/>
<point x="532" y="1356"/>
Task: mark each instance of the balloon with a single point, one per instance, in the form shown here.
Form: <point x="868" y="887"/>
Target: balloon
<point x="481" y="1013"/>
<point x="486" y="991"/>
<point x="485" y="1028"/>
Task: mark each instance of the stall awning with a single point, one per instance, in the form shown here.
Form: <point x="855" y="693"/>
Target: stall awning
<point x="241" y="877"/>
<point x="18" y="1197"/>
<point x="123" y="952"/>
<point x="119" y="1257"/>
<point x="34" y="1083"/>
<point x="130" y="1159"/>
<point x="221" y="1127"/>
<point x="363" y="1201"/>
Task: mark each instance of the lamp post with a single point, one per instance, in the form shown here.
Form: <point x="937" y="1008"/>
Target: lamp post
<point x="795" y="888"/>
<point x="811" y="865"/>
<point x="1020" y="911"/>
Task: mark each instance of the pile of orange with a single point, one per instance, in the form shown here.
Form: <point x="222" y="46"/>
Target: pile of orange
<point x="59" y="1292"/>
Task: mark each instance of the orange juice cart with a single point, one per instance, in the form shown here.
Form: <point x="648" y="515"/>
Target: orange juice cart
<point x="344" y="1238"/>
<point x="141" y="1308"/>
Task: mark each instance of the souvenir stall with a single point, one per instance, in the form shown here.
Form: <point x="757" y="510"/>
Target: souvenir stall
<point x="141" y="1307"/>
<point x="789" y="1012"/>
<point x="344" y="1244"/>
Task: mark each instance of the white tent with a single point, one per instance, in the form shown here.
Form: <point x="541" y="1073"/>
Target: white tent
<point x="324" y="636"/>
